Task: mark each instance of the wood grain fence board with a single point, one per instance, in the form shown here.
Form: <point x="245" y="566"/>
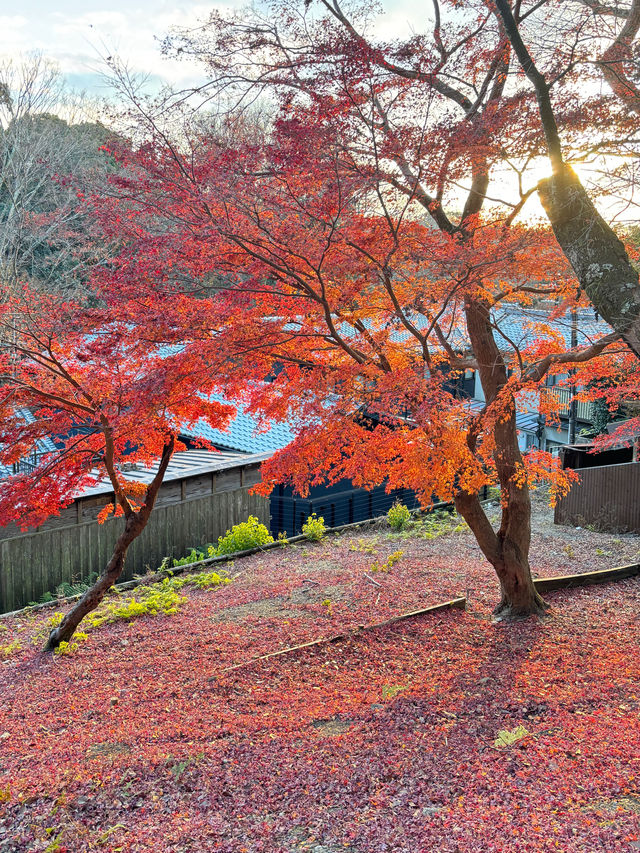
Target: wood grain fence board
<point x="73" y="547"/>
<point x="607" y="497"/>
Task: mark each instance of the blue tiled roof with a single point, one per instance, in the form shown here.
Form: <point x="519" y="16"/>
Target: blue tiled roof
<point x="244" y="433"/>
<point x="526" y="421"/>
<point x="516" y="328"/>
<point x="516" y="325"/>
<point x="43" y="445"/>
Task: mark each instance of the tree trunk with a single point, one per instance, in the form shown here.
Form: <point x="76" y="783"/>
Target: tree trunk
<point x="93" y="596"/>
<point x="597" y="256"/>
<point x="519" y="597"/>
<point x="134" y="525"/>
<point x="508" y="548"/>
<point x="508" y="553"/>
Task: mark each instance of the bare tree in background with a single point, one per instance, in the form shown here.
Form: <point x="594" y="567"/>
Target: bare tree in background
<point x="47" y="163"/>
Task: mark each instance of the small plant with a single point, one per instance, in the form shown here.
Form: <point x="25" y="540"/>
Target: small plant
<point x="242" y="537"/>
<point x="70" y="648"/>
<point x="282" y="538"/>
<point x="602" y="553"/>
<point x="388" y="564"/>
<point x="177" y="768"/>
<point x="10" y="648"/>
<point x="364" y="546"/>
<point x="439" y="523"/>
<point x="510" y="738"/>
<point x="55" y="620"/>
<point x="203" y="580"/>
<point x="314" y="528"/>
<point x="193" y="556"/>
<point x="568" y="550"/>
<point x="66" y="590"/>
<point x="55" y="845"/>
<point x="155" y="599"/>
<point x="329" y="605"/>
<point x="398" y="516"/>
<point x="390" y="691"/>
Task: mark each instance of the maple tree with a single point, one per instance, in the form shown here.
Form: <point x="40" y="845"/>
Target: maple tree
<point x="369" y="258"/>
<point x="567" y="50"/>
<point x="84" y="396"/>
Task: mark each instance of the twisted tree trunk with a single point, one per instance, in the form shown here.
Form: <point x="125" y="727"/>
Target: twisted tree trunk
<point x="508" y="553"/>
<point x="94" y="595"/>
<point x="507" y="549"/>
<point x="135" y="522"/>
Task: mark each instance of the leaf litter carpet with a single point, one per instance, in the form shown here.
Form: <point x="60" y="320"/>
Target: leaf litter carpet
<point x="440" y="734"/>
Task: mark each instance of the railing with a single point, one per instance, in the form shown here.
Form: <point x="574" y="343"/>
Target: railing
<point x="28" y="464"/>
<point x="563" y="396"/>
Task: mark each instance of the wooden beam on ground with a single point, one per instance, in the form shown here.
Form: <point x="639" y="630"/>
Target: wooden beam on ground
<point x="453" y="604"/>
<point x="587" y="578"/>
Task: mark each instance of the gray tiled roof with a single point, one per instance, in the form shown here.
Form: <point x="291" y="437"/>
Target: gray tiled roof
<point x="187" y="463"/>
<point x="518" y="328"/>
<point x="244" y="433"/>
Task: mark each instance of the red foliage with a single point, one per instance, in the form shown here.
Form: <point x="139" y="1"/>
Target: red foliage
<point x="84" y="391"/>
<point x="340" y="306"/>
<point x="382" y="743"/>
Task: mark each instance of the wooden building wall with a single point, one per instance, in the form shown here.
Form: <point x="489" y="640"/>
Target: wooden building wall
<point x="607" y="497"/>
<point x="189" y="512"/>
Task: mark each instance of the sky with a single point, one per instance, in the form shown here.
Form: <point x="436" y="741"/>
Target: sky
<point x="79" y="34"/>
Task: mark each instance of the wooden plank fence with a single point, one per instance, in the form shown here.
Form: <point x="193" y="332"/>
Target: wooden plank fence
<point x="189" y="512"/>
<point x="607" y="497"/>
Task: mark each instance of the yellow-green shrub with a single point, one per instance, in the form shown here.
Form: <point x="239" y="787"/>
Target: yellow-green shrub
<point x="242" y="537"/>
<point x="314" y="528"/>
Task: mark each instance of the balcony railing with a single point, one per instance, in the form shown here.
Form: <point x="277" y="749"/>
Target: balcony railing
<point x="28" y="464"/>
<point x="584" y="410"/>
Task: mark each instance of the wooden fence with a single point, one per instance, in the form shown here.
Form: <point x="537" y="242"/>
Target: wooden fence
<point x="190" y="511"/>
<point x="607" y="497"/>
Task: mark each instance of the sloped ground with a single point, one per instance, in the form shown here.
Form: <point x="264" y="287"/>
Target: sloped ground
<point x="145" y="740"/>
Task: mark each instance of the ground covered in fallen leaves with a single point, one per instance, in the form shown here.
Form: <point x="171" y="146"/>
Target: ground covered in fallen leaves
<point x="440" y="734"/>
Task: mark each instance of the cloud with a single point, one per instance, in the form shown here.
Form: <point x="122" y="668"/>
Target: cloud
<point x="80" y="35"/>
<point x="14" y="33"/>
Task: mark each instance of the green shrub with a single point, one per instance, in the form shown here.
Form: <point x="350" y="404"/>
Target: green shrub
<point x="155" y="599"/>
<point x="194" y="556"/>
<point x="10" y="648"/>
<point x="242" y="537"/>
<point x="508" y="738"/>
<point x="70" y="648"/>
<point x="66" y="590"/>
<point x="314" y="528"/>
<point x="439" y="523"/>
<point x="398" y="516"/>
